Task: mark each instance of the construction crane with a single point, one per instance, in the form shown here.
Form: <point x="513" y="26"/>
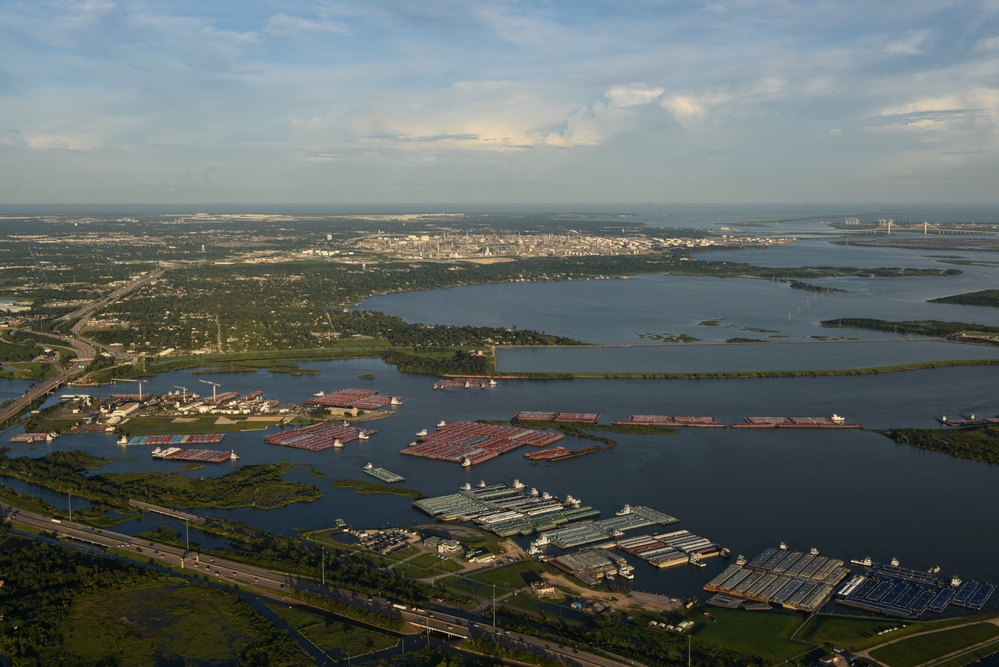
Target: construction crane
<point x="215" y="385"/>
<point x="139" y="382"/>
<point x="184" y="389"/>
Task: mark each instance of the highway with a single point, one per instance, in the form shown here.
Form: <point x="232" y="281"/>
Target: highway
<point x="275" y="584"/>
<point x="85" y="349"/>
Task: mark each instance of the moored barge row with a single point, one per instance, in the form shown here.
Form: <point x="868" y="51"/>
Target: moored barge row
<point x="469" y="443"/>
<point x="384" y="475"/>
<point x="33" y="437"/>
<point x="465" y="383"/>
<point x="192" y="439"/>
<point x="970" y="420"/>
<point x="318" y="437"/>
<point x="360" y="399"/>
<point x="561" y="417"/>
<point x="796" y="422"/>
<point x="670" y="420"/>
<point x="560" y="453"/>
<point x="197" y="455"/>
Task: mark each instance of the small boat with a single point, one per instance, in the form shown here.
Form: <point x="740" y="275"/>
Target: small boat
<point x="368" y="466"/>
<point x="865" y="561"/>
<point x="934" y="570"/>
<point x="814" y="551"/>
<point x="233" y="456"/>
<point x="441" y="424"/>
<point x="337" y="444"/>
<point x="894" y="562"/>
<point x="783" y="546"/>
<point x="421" y="433"/>
<point x="466" y="462"/>
<point x="362" y="435"/>
<point x="740" y="560"/>
<point x="624" y="511"/>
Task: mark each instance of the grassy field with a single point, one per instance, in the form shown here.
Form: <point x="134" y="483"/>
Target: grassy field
<point x="426" y="565"/>
<point x="336" y="638"/>
<point x="922" y="648"/>
<point x="171" y="425"/>
<point x="362" y="486"/>
<point x="970" y="657"/>
<point x="762" y="634"/>
<point x="159" y="623"/>
<point x="854" y="634"/>
<point x="510" y="577"/>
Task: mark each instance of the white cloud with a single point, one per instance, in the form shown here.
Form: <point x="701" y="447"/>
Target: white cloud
<point x="284" y="25"/>
<point x="64" y="142"/>
<point x="909" y="45"/>
<point x="632" y="94"/>
<point x="987" y="44"/>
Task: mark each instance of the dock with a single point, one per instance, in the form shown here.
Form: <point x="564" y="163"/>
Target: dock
<point x="384" y="475"/>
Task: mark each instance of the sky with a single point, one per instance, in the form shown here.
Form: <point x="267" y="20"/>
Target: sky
<point x="498" y="101"/>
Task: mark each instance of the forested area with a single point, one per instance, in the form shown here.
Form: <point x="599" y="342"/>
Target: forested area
<point x="987" y="297"/>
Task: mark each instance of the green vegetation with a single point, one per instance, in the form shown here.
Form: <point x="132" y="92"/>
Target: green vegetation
<point x="809" y="287"/>
<point x="956" y="331"/>
<point x="988" y="298"/>
<point x="333" y="637"/>
<point x="928" y="646"/>
<point x="853" y="634"/>
<point x="978" y="443"/>
<point x="69" y="608"/>
<point x="669" y="338"/>
<point x="170" y="425"/>
<point x="258" y="486"/>
<point x="507" y="652"/>
<point x="739" y="339"/>
<point x="362" y="486"/>
<point x="763" y="635"/>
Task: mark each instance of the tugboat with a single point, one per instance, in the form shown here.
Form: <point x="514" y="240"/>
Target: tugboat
<point x="362" y="435"/>
<point x="338" y="444"/>
<point x="624" y="511"/>
<point x="368" y="466"/>
<point x="894" y="562"/>
<point x="695" y="560"/>
<point x="421" y="433"/>
<point x="233" y="456"/>
<point x="741" y="560"/>
<point x="466" y="462"/>
<point x="814" y="551"/>
<point x="865" y="561"/>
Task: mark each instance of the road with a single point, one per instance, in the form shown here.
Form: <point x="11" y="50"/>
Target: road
<point x="275" y="584"/>
<point x="85" y="349"/>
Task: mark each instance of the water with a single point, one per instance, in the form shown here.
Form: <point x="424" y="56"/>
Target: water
<point x="848" y="493"/>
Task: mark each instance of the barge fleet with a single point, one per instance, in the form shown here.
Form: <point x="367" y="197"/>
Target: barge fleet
<point x="469" y="443"/>
<point x="971" y="420"/>
<point x="318" y="437"/>
<point x="669" y="420"/>
<point x="197" y="455"/>
<point x="835" y="421"/>
<point x="560" y="453"/>
<point x="465" y="383"/>
<point x="194" y="439"/>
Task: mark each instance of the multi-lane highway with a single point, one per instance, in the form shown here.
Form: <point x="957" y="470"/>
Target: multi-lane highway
<point x="275" y="584"/>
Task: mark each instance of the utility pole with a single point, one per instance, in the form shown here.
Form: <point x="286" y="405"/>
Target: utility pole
<point x="187" y="532"/>
<point x="494" y="607"/>
<point x="69" y="495"/>
<point x="323" y="563"/>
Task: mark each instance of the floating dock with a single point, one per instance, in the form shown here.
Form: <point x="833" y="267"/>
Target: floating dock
<point x="360" y="399"/>
<point x="194" y="439"/>
<point x="197" y="455"/>
<point x="561" y="417"/>
<point x="469" y="443"/>
<point x="383" y="474"/>
<point x="318" y="437"/>
<point x="796" y="422"/>
<point x="792" y="579"/>
<point x="670" y="420"/>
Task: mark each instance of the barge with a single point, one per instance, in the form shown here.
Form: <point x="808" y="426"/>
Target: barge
<point x="469" y="443"/>
<point x="560" y="453"/>
<point x="196" y="455"/>
<point x="970" y="420"/>
<point x="670" y="420"/>
<point x="318" y="437"/>
<point x="193" y="439"/>
<point x="835" y="421"/>
<point x="384" y="475"/>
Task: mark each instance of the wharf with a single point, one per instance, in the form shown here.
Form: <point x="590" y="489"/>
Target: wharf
<point x="469" y="443"/>
<point x="318" y="437"/>
<point x="506" y="510"/>
<point x="197" y="455"/>
<point x="194" y="439"/>
<point x="669" y="420"/>
<point x="792" y="579"/>
<point x="384" y="475"/>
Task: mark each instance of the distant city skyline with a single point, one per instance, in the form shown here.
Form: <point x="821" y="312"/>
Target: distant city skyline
<point x="392" y="101"/>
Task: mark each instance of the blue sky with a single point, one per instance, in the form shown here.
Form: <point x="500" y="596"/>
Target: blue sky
<point x="462" y="101"/>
